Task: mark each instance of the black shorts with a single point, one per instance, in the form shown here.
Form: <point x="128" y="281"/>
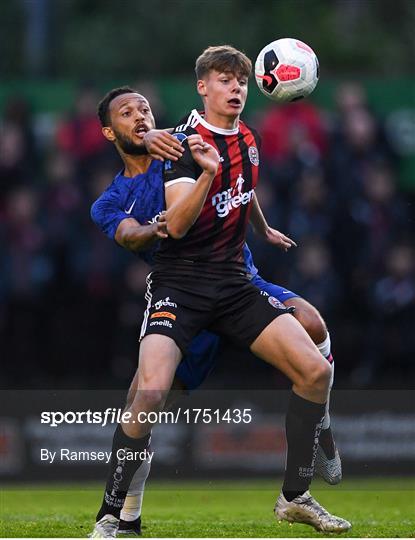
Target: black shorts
<point x="231" y="307"/>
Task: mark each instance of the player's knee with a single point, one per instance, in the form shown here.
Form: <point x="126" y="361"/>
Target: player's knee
<point x="150" y="399"/>
<point x="318" y="377"/>
<point x="311" y="320"/>
<point x="156" y="397"/>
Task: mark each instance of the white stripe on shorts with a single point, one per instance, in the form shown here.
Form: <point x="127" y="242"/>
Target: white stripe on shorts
<point x="148" y="296"/>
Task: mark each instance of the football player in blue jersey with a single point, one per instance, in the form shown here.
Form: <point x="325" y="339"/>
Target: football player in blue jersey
<point x="131" y="212"/>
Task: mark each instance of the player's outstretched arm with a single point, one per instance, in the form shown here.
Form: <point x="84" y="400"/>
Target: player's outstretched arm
<point x="135" y="237"/>
<point x="261" y="227"/>
<point x="184" y="201"/>
<point x="109" y="215"/>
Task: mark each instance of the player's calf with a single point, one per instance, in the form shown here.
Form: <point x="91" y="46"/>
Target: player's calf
<point x="286" y="345"/>
<point x="328" y="462"/>
<point x="159" y="358"/>
<point x="121" y="471"/>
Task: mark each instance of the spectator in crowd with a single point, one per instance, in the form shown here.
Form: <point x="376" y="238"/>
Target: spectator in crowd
<point x="374" y="217"/>
<point x="357" y="142"/>
<point x="63" y="197"/>
<point x="294" y="137"/>
<point x="28" y="263"/>
<point x="312" y="207"/>
<point x="79" y="133"/>
<point x="18" y="152"/>
<point x="27" y="269"/>
<point x="314" y="275"/>
<point x="292" y="130"/>
<point x="390" y="341"/>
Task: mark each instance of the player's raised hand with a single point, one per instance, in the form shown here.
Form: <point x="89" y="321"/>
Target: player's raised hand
<point x="279" y="239"/>
<point x="162" y="145"/>
<point x="160" y="226"/>
<point x="204" y="154"/>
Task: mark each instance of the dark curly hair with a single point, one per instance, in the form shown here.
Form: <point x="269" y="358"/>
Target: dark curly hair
<point x="104" y="104"/>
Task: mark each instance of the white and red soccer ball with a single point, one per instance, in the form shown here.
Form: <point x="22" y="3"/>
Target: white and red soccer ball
<point x="286" y="70"/>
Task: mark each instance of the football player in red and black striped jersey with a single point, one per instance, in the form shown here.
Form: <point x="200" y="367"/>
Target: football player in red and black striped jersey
<point x="199" y="282"/>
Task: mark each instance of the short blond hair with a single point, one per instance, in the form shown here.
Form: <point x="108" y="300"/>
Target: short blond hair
<point x="223" y="58"/>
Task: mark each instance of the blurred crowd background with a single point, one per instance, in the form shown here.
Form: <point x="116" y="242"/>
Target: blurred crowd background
<point x="337" y="175"/>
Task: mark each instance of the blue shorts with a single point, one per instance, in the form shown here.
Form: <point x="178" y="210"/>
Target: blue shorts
<point x="199" y="360"/>
<point x="202" y="351"/>
<point x="280" y="293"/>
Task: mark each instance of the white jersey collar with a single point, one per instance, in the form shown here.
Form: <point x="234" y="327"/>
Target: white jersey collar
<point x="215" y="129"/>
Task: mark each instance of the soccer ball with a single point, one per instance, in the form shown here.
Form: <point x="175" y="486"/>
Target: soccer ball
<point x="286" y="70"/>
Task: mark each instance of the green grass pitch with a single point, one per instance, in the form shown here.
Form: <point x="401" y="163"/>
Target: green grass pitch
<point x="377" y="508"/>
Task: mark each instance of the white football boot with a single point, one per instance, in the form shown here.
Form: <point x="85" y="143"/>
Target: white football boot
<point x="305" y="509"/>
<point x="106" y="527"/>
<point x="329" y="469"/>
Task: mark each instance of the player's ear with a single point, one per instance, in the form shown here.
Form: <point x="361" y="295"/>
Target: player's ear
<point x="108" y="133"/>
<point x="201" y="88"/>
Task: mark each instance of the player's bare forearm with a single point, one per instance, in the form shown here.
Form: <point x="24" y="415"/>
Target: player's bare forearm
<point x="257" y="219"/>
<point x="185" y="200"/>
<point x="135" y="237"/>
<point x="184" y="203"/>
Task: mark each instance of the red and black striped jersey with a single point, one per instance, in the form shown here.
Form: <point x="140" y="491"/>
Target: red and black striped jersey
<point x="217" y="237"/>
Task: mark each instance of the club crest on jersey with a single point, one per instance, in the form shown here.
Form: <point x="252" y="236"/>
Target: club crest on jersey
<point x="275" y="303"/>
<point x="253" y="155"/>
<point x="180" y="136"/>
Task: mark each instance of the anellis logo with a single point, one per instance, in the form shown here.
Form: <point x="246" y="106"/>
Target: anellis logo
<point x="226" y="200"/>
<point x="161" y="323"/>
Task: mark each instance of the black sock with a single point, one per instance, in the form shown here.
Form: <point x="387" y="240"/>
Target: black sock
<point x="131" y="525"/>
<point x="121" y="472"/>
<point x="327" y="443"/>
<point x="302" y="426"/>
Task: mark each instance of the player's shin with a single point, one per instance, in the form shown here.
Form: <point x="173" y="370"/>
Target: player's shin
<point x="303" y="425"/>
<point x="127" y="456"/>
<point x="326" y="436"/>
<point x="134" y="500"/>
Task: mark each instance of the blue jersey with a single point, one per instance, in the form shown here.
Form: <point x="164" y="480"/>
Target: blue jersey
<point x="142" y="198"/>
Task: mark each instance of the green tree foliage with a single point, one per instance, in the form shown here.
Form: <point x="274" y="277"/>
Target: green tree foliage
<point x="123" y="38"/>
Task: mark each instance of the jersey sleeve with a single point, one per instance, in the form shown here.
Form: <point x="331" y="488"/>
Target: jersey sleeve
<point x="185" y="169"/>
<point x="107" y="212"/>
